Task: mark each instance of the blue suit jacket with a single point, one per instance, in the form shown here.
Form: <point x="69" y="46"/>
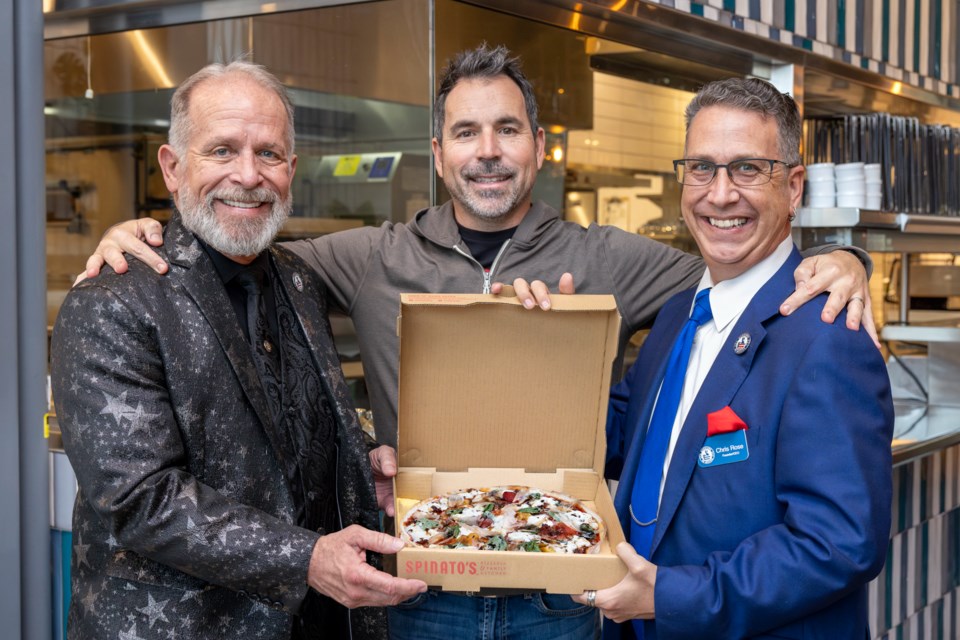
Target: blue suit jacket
<point x="784" y="543"/>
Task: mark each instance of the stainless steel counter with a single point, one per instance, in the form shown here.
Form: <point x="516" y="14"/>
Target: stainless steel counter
<point x="920" y="429"/>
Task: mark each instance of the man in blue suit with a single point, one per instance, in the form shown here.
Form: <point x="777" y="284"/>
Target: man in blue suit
<point x="757" y="498"/>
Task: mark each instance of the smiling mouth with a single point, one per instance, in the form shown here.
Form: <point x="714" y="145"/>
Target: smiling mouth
<point x="729" y="223"/>
<point x="489" y="179"/>
<point x="242" y="204"/>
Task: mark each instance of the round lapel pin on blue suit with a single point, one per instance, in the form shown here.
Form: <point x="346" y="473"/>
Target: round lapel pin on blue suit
<point x="742" y="344"/>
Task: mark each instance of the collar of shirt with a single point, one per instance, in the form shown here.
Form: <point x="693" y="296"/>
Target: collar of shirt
<point x="729" y="298"/>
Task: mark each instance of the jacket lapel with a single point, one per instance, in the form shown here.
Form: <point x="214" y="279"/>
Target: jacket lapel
<point x="204" y="286"/>
<point x="726" y="376"/>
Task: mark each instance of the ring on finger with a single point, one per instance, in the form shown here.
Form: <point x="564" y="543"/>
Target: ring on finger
<point x="591" y="598"/>
<point x="858" y="299"/>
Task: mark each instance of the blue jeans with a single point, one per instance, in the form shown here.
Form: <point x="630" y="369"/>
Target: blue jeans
<point x="435" y="615"/>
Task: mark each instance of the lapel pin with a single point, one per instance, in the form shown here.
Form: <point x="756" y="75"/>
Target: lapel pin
<point x="742" y="344"/>
<point x="298" y="282"/>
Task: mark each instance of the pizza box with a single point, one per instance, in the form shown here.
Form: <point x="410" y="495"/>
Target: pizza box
<point x="493" y="394"/>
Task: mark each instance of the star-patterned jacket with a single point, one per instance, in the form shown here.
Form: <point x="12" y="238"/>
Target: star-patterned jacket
<point x="183" y="525"/>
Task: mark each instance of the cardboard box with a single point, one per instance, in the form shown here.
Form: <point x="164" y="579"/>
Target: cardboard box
<point x="493" y="394"/>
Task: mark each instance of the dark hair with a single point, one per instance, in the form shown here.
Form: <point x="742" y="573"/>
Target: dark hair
<point x="182" y="128"/>
<point x="482" y="62"/>
<point x="758" y="96"/>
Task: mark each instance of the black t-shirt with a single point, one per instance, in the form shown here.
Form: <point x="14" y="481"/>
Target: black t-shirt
<point x="484" y="245"/>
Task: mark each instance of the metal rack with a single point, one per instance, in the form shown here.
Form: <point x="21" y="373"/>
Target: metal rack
<point x="902" y="233"/>
<point x="880" y="232"/>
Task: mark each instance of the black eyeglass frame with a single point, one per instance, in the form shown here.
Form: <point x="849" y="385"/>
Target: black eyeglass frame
<point x="717" y="167"/>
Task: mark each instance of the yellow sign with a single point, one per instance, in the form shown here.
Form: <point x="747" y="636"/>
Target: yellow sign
<point x="347" y="166"/>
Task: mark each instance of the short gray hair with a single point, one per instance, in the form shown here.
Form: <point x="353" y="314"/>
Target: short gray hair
<point x="182" y="128"/>
<point x="758" y="96"/>
<point x="482" y="62"/>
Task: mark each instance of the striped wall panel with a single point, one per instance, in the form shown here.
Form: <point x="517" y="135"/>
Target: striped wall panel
<point x="917" y="595"/>
<point x="912" y="41"/>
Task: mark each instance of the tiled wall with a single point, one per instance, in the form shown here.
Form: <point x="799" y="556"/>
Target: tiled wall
<point x="917" y="596"/>
<point x="636" y="126"/>
<point x="912" y="41"/>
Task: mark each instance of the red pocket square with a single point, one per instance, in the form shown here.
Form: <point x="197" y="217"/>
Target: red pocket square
<point x="724" y="421"/>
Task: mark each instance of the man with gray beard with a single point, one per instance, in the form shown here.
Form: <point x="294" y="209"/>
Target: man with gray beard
<point x="225" y="487"/>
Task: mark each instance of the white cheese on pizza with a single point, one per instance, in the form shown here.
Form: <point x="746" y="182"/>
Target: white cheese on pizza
<point x="510" y="518"/>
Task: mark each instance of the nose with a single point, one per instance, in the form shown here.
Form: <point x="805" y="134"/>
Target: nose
<point x="722" y="191"/>
<point x="489" y="145"/>
<point x="246" y="170"/>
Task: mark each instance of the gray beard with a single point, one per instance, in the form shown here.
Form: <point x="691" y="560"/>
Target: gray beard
<point x="241" y="237"/>
<point x="490" y="204"/>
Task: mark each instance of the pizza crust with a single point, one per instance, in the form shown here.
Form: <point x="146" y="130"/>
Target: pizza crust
<point x="506" y="518"/>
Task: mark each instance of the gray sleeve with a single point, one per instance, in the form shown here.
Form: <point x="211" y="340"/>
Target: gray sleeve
<point x="341" y="260"/>
<point x="645" y="274"/>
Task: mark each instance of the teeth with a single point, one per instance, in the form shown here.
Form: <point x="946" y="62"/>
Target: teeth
<point x="241" y="205"/>
<point x="727" y="224"/>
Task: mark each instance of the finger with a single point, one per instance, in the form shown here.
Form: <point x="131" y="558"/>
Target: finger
<point x="496" y="288"/>
<point x="541" y="293"/>
<point x="522" y="290"/>
<point x="795" y="300"/>
<point x="567" y="285"/>
<point x="143" y="253"/>
<point x="386" y="461"/>
<point x="855" y="308"/>
<point x="869" y="325"/>
<point x="630" y="557"/>
<point x="374" y="540"/>
<point x="151" y="230"/>
<point x="92" y="268"/>
<point x="387" y="504"/>
<point x="382" y="589"/>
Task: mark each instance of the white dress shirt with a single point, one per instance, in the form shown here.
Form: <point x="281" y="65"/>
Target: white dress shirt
<point x="728" y="299"/>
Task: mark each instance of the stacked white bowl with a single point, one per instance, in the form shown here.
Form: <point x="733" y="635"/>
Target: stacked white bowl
<point x="821" y="188"/>
<point x="851" y="185"/>
<point x="874" y="190"/>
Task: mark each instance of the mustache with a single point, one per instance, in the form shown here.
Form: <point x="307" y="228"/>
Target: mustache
<point x="239" y="194"/>
<point x="487" y="168"/>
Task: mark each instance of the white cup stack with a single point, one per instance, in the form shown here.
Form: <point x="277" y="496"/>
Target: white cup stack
<point x="874" y="187"/>
<point x="821" y="188"/>
<point x="851" y="185"/>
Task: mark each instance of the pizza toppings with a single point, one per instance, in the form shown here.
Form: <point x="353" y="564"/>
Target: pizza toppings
<point x="510" y="518"/>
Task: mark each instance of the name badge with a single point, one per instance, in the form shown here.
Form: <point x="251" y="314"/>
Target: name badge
<point x="724" y="448"/>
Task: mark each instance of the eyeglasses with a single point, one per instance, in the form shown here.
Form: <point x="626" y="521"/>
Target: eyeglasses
<point x="746" y="172"/>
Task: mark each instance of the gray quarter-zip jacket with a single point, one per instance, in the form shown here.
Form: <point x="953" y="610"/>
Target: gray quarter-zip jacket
<point x="366" y="270"/>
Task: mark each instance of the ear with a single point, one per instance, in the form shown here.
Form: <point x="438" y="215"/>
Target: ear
<point x="293" y="167"/>
<point x="437" y="156"/>
<point x="795" y="184"/>
<point x="541" y="143"/>
<point x="169" y="163"/>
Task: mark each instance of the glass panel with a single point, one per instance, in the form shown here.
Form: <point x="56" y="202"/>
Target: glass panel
<point x="359" y="79"/>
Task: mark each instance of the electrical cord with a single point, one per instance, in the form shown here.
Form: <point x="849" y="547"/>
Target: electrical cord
<point x="916" y="381"/>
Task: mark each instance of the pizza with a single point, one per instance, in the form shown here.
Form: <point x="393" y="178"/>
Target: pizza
<point x="510" y="518"/>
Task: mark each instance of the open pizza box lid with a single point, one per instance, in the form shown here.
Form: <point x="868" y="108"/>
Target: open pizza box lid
<point x="494" y="394"/>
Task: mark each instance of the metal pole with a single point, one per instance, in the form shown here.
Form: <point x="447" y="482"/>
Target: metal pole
<point x="904" y="287"/>
<point x="24" y="528"/>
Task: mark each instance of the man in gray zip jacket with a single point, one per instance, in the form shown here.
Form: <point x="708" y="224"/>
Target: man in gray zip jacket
<point x="488" y="150"/>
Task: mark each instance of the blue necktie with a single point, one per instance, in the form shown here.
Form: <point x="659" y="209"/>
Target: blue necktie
<point x="644" y="501"/>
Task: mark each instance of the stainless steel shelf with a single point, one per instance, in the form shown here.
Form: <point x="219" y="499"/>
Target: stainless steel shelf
<point x="878" y="231"/>
<point x="844" y="217"/>
<point x="920" y="333"/>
